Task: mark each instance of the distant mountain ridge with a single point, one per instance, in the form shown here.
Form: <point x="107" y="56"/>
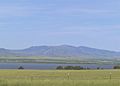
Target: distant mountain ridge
<point x="61" y="51"/>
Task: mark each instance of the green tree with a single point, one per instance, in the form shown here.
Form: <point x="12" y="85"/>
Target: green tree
<point x="60" y="68"/>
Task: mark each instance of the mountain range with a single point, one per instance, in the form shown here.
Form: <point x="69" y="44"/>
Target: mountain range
<point x="61" y="51"/>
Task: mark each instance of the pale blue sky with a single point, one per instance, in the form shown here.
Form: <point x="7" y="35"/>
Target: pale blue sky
<point x="92" y="23"/>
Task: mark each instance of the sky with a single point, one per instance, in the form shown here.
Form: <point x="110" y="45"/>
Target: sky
<point x="92" y="23"/>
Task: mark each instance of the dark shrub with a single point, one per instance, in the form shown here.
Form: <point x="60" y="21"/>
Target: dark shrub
<point x="77" y="68"/>
<point x="60" y="68"/>
<point x="20" y="67"/>
<point x="68" y="67"/>
<point x="116" y="67"/>
<point x="98" y="68"/>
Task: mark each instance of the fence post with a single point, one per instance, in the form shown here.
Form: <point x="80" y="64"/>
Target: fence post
<point x="110" y="75"/>
<point x="68" y="75"/>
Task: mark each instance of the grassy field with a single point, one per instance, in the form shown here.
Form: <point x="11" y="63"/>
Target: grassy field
<point x="59" y="78"/>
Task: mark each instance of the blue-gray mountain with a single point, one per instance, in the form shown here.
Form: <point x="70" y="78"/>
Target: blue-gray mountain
<point x="62" y="51"/>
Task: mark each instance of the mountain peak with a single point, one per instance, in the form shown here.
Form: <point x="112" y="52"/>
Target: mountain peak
<point x="62" y="51"/>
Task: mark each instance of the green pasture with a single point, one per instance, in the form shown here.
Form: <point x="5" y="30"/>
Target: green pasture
<point x="59" y="60"/>
<point x="59" y="77"/>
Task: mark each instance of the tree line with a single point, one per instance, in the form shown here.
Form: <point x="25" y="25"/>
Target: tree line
<point x="70" y="68"/>
<point x="81" y="68"/>
<point x="75" y="67"/>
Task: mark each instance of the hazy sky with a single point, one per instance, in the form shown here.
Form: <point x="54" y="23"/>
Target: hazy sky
<point x="92" y="23"/>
